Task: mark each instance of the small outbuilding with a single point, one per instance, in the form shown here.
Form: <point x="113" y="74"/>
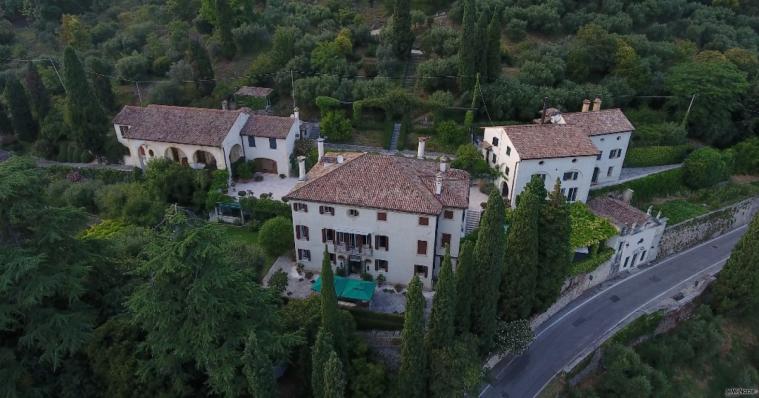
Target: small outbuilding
<point x="254" y="97"/>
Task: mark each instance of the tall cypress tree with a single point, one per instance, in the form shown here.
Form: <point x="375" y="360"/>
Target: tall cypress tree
<point x="488" y="254"/>
<point x="320" y="353"/>
<point x="18" y="106"/>
<point x="202" y="69"/>
<point x="334" y="378"/>
<point x="224" y="23"/>
<point x="482" y="42"/>
<point x="467" y="51"/>
<point x="84" y="116"/>
<point x="735" y="291"/>
<point x="402" y="36"/>
<point x="493" y="68"/>
<point x="413" y="370"/>
<point x="102" y="84"/>
<point x="521" y="256"/>
<point x="330" y="316"/>
<point x="38" y="96"/>
<point x="258" y="370"/>
<point x="466" y="277"/>
<point x="442" y="319"/>
<point x="555" y="251"/>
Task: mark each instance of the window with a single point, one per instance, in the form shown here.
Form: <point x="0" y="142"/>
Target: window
<point x="571" y="175"/>
<point x="574" y="160"/>
<point x="541" y="162"/>
<point x="273" y="143"/>
<point x="495" y="141"/>
<point x="380" y="265"/>
<point x="600" y="154"/>
<point x="424" y="221"/>
<point x="301" y="232"/>
<point x="300" y="207"/>
<point x="493" y="158"/>
<point x="445" y="240"/>
<point x="643" y="255"/>
<point x="327" y="210"/>
<point x="381" y="216"/>
<point x="420" y="270"/>
<point x="541" y="176"/>
<point x="123" y="130"/>
<point x="627" y="260"/>
<point x="448" y="214"/>
<point x="508" y="151"/>
<point x="610" y="171"/>
<point x="304" y="254"/>
<point x="332" y="258"/>
<point x="571" y="194"/>
<point x="382" y="242"/>
<point x="618" y="138"/>
<point x="615" y="153"/>
<point x="151" y="153"/>
<point x="506" y="171"/>
<point x="251" y="141"/>
<point x="353" y="212"/>
<point x="328" y="235"/>
<point x="421" y="247"/>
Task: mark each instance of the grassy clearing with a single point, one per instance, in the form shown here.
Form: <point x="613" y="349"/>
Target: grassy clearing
<point x="244" y="235"/>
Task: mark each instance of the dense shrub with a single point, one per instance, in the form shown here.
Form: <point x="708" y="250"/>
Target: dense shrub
<point x="336" y="127"/>
<point x="450" y="133"/>
<point x="655" y="155"/>
<point x="470" y="159"/>
<point x="747" y="157"/>
<point x="130" y="202"/>
<point x="516" y="29"/>
<point x="133" y="67"/>
<point x="659" y="134"/>
<point x="276" y="236"/>
<point x="704" y="168"/>
<point x="646" y="188"/>
<point x="243" y="169"/>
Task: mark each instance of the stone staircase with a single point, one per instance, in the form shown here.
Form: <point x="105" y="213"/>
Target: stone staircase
<point x="471" y="221"/>
<point x="409" y="73"/>
<point x="394" y="138"/>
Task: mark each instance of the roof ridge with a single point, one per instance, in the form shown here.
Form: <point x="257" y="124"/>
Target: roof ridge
<point x="192" y="108"/>
<point x="326" y="173"/>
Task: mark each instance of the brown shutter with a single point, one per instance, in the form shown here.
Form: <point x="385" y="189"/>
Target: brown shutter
<point x="387" y="243"/>
<point x="324" y="235"/>
<point x="377" y="241"/>
<point x="297" y="231"/>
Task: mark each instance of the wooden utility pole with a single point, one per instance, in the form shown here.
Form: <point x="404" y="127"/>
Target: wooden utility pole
<point x="687" y="113"/>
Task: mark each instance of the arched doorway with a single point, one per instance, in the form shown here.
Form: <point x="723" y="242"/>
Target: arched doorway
<point x="266" y="165"/>
<point x="177" y="155"/>
<point x="204" y="158"/>
<point x="235" y="153"/>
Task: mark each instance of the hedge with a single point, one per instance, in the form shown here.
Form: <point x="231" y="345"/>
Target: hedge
<point x="643" y="326"/>
<point x="368" y="320"/>
<point x="662" y="184"/>
<point x="589" y="264"/>
<point x="656" y="155"/>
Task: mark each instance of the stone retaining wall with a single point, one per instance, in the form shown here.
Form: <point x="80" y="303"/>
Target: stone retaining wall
<point x="691" y="232"/>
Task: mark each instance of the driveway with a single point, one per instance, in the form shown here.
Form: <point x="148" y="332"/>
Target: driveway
<point x="587" y="322"/>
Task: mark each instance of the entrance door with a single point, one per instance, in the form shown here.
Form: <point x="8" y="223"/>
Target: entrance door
<point x="265" y="165"/>
<point x="595" y="175"/>
<point x="505" y="190"/>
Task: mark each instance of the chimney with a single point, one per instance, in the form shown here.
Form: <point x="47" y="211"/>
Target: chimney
<point x="225" y="105"/>
<point x="420" y="148"/>
<point x="585" y="105"/>
<point x="296" y="114"/>
<point x="301" y="168"/>
<point x="443" y="164"/>
<point x="340" y="159"/>
<point x="597" y="104"/>
<point x="627" y="195"/>
<point x="438" y="183"/>
<point x="320" y="148"/>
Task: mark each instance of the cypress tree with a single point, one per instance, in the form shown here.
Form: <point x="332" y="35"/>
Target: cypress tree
<point x="224" y="25"/>
<point x="521" y="256"/>
<point x="6" y="127"/>
<point x="18" y="106"/>
<point x="330" y="316"/>
<point x="493" y="68"/>
<point x="320" y="354"/>
<point x="402" y="36"/>
<point x="334" y="378"/>
<point x="466" y="277"/>
<point x="467" y="51"/>
<point x="442" y="319"/>
<point x="482" y="43"/>
<point x="102" y="84"/>
<point x="488" y="254"/>
<point x="83" y="115"/>
<point x="555" y="251"/>
<point x="258" y="370"/>
<point x="735" y="291"/>
<point x="202" y="69"/>
<point x="38" y="96"/>
<point x="413" y="369"/>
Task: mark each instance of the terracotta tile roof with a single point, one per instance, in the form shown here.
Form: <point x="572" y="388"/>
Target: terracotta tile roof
<point x="538" y="141"/>
<point x="268" y="126"/>
<point x="617" y="211"/>
<point x="383" y="182"/>
<point x="606" y="121"/>
<point x="181" y="125"/>
<point x="251" y="91"/>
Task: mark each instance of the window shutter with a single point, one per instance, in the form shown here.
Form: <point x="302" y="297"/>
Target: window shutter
<point x="324" y="235"/>
<point x="387" y="243"/>
<point x="297" y="232"/>
<point x="305" y="232"/>
<point x="377" y="241"/>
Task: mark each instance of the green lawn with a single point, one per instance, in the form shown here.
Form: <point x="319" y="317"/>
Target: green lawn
<point x="679" y="210"/>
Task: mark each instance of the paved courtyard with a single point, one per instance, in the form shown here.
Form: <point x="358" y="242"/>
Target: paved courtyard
<point x="271" y="183"/>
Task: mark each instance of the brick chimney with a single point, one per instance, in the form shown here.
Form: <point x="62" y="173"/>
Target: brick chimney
<point x="597" y="104"/>
<point x="585" y="105"/>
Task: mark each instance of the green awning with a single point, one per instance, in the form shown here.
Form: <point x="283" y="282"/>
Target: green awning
<point x="349" y="289"/>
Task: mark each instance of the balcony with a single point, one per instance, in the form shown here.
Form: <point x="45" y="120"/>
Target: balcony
<point x="351" y="250"/>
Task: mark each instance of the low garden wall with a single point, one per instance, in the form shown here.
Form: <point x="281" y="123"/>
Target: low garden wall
<point x="691" y="232"/>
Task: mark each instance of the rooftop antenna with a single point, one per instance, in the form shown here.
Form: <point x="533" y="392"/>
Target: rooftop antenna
<point x="545" y="105"/>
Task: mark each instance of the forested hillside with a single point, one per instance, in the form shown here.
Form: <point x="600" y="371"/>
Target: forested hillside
<point x="649" y="57"/>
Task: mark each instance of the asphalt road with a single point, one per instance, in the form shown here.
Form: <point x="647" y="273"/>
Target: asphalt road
<point x="586" y="321"/>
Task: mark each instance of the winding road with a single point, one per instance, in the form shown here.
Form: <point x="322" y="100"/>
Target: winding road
<point x="586" y="322"/>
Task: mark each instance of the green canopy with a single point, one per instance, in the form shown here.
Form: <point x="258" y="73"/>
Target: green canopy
<point x="349" y="289"/>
